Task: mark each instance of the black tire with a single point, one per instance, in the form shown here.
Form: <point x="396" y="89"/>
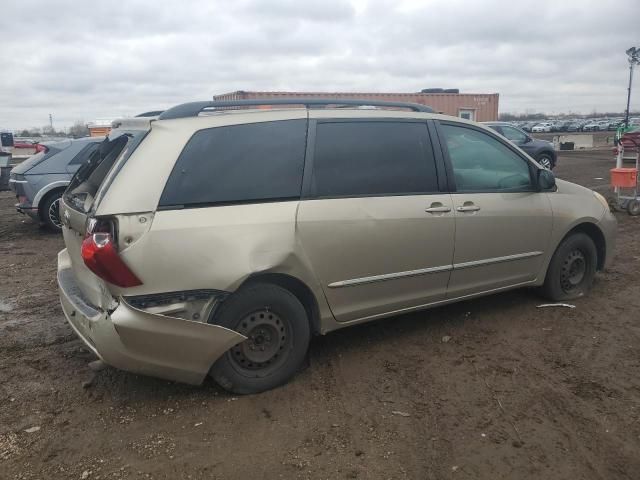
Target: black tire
<point x="633" y="207"/>
<point x="278" y="332"/>
<point x="50" y="211"/>
<point x="545" y="160"/>
<point x="572" y="269"/>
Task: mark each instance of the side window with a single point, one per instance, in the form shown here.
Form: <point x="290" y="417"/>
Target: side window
<point x="513" y="134"/>
<point x="84" y="154"/>
<point x="372" y="158"/>
<point x="481" y="163"/>
<point x="239" y="163"/>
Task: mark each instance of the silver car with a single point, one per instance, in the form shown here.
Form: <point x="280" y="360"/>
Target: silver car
<point x="221" y="238"/>
<point x="39" y="181"/>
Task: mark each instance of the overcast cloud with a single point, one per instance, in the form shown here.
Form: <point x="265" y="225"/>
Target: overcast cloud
<point x="87" y="60"/>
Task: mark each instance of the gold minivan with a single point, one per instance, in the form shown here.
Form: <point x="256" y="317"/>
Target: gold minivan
<point x="218" y="238"/>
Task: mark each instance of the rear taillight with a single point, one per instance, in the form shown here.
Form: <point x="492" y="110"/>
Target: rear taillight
<point x="101" y="257"/>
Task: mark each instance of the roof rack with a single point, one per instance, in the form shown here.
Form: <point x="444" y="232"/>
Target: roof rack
<point x="193" y="109"/>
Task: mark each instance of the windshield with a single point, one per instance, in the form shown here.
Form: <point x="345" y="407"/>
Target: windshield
<point x="85" y="183"/>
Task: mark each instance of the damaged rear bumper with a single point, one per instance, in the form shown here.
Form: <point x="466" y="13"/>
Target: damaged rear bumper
<point x="141" y="342"/>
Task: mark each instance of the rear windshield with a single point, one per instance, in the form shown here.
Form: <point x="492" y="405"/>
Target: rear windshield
<point x="36" y="159"/>
<point x="85" y="183"/>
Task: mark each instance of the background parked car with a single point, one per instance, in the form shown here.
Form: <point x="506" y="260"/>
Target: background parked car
<point x="541" y="150"/>
<point x="542" y="127"/>
<point x="20" y="143"/>
<point x="39" y="181"/>
<point x="596" y="126"/>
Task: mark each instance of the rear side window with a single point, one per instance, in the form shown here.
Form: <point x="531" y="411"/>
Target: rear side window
<point x="239" y="163"/>
<point x="372" y="158"/>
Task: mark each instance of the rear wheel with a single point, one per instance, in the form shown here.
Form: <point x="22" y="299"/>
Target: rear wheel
<point x="277" y="330"/>
<point x="572" y="268"/>
<point x="50" y="211"/>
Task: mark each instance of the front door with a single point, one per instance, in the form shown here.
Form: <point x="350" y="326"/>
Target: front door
<point x="503" y="225"/>
<point x="374" y="226"/>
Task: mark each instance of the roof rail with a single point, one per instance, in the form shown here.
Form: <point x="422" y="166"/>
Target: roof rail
<point x="193" y="109"/>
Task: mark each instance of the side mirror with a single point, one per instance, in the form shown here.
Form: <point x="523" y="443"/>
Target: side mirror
<point x="528" y="139"/>
<point x="546" y="179"/>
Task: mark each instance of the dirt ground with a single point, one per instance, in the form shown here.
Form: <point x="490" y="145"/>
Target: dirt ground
<point x="493" y="388"/>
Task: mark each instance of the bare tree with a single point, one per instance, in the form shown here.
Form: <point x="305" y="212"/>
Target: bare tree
<point x="79" y="129"/>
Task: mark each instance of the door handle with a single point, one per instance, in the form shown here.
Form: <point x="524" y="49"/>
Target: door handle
<point x="468" y="207"/>
<point x="437" y="207"/>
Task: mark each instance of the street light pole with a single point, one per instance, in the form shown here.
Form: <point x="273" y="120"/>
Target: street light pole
<point x="634" y="59"/>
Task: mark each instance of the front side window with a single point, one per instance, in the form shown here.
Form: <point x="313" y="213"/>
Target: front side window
<point x="513" y="134"/>
<point x="372" y="158"/>
<point x="239" y="163"/>
<point x="482" y="163"/>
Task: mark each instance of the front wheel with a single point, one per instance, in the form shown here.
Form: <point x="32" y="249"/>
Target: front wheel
<point x="277" y="330"/>
<point x="572" y="268"/>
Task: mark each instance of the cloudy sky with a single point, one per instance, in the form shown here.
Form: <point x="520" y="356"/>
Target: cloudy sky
<point x="83" y="60"/>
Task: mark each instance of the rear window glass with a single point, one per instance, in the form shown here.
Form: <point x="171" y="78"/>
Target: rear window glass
<point x="372" y="158"/>
<point x="239" y="163"/>
<point x="87" y="180"/>
<point x="85" y="153"/>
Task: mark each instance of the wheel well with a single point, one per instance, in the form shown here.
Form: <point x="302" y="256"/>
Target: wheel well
<point x="46" y="196"/>
<point x="598" y="238"/>
<point x="297" y="288"/>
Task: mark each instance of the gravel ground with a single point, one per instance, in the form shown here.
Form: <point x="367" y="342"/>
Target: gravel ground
<point x="487" y="389"/>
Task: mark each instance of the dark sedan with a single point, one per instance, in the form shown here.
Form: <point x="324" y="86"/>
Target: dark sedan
<point x="541" y="150"/>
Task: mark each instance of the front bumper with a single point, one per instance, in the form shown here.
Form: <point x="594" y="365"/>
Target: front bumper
<point x="140" y="342"/>
<point x="609" y="228"/>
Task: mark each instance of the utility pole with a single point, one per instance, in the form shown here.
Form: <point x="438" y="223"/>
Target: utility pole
<point x="634" y="59"/>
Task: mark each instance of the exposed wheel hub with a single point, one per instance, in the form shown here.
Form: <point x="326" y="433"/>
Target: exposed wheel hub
<point x="574" y="269"/>
<point x="267" y="337"/>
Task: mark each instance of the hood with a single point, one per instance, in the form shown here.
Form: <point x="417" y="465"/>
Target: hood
<point x="537" y="143"/>
<point x="572" y="188"/>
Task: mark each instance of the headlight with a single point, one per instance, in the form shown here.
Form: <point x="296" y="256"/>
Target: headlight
<point x="601" y="199"/>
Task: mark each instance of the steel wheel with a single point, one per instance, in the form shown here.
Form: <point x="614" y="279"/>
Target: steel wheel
<point x="573" y="271"/>
<point x="266" y="347"/>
